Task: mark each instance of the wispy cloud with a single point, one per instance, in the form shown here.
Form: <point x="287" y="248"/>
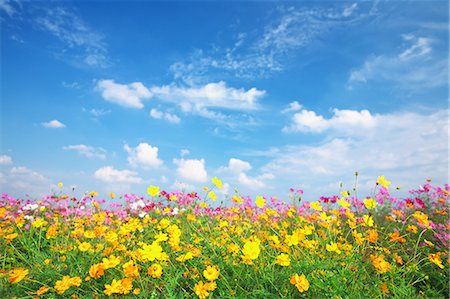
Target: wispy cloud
<point x="87" y="151"/>
<point x="267" y="51"/>
<point x="172" y="118"/>
<point x="53" y="124"/>
<point x="414" y="67"/>
<point x="9" y="7"/>
<point x="81" y="42"/>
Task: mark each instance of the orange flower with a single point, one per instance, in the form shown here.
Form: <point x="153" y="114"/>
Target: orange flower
<point x="381" y="266"/>
<point x="372" y="236"/>
<point x="395" y="237"/>
<point x="97" y="270"/>
<point x="301" y="282"/>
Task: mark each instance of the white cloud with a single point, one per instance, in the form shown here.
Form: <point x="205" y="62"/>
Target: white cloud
<point x="22" y="181"/>
<point x="236" y="166"/>
<point x="144" y="155"/>
<point x="405" y="147"/>
<point x="87" y="151"/>
<point x="184" y="152"/>
<point x="82" y="44"/>
<point x="127" y="95"/>
<point x="348" y="11"/>
<point x="54" y="124"/>
<point x="191" y="170"/>
<point x="172" y="118"/>
<point x="254" y="182"/>
<point x="414" y="68"/>
<point x="73" y="85"/>
<point x="8" y="8"/>
<point x="292" y="107"/>
<point x="97" y="112"/>
<point x="349" y="121"/>
<point x="5" y="160"/>
<point x="261" y="53"/>
<point x="111" y="175"/>
<point x="210" y="95"/>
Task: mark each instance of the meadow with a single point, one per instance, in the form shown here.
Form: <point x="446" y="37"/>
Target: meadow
<point x="186" y="245"/>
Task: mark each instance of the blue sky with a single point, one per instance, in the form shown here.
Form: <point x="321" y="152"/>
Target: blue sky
<point x="117" y="96"/>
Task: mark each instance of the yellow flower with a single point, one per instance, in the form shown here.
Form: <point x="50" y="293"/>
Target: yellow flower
<point x="85" y="246"/>
<point x="150" y="252"/>
<point x="17" y="275"/>
<point x="153" y="190"/>
<point x="93" y="194"/>
<point x="114" y="288"/>
<point x="217" y="182"/>
<point x="112" y="195"/>
<point x="301" y="282"/>
<point x="201" y="290"/>
<point x="343" y="203"/>
<point x="412" y="228"/>
<point x="212" y="195"/>
<point x="126" y="285"/>
<point x="368" y="220"/>
<point x="370" y="203"/>
<point x="111" y="262"/>
<point x="39" y="222"/>
<point x="251" y="250"/>
<point x="155" y="270"/>
<point x="136" y="291"/>
<point x="316" y="206"/>
<point x="383" y="182"/>
<point x="436" y="259"/>
<point x="65" y="283"/>
<point x="260" y="202"/>
<point x="60" y="184"/>
<point x="96" y="270"/>
<point x="211" y="273"/>
<point x="333" y="247"/>
<point x="237" y="199"/>
<point x="422" y="218"/>
<point x="283" y="260"/>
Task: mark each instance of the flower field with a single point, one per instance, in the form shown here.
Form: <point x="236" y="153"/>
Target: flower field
<point x="183" y="245"/>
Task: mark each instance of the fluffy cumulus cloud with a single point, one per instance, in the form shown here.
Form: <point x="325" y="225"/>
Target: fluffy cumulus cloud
<point x="217" y="95"/>
<point x="172" y="118"/>
<point x="53" y="124"/>
<point x="5" y="160"/>
<point x="236" y="166"/>
<point x="405" y="147"/>
<point x="414" y="67"/>
<point x="144" y="155"/>
<point x="191" y="170"/>
<point x="87" y="151"/>
<point x="127" y="95"/>
<point x="349" y="121"/>
<point x="110" y="175"/>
